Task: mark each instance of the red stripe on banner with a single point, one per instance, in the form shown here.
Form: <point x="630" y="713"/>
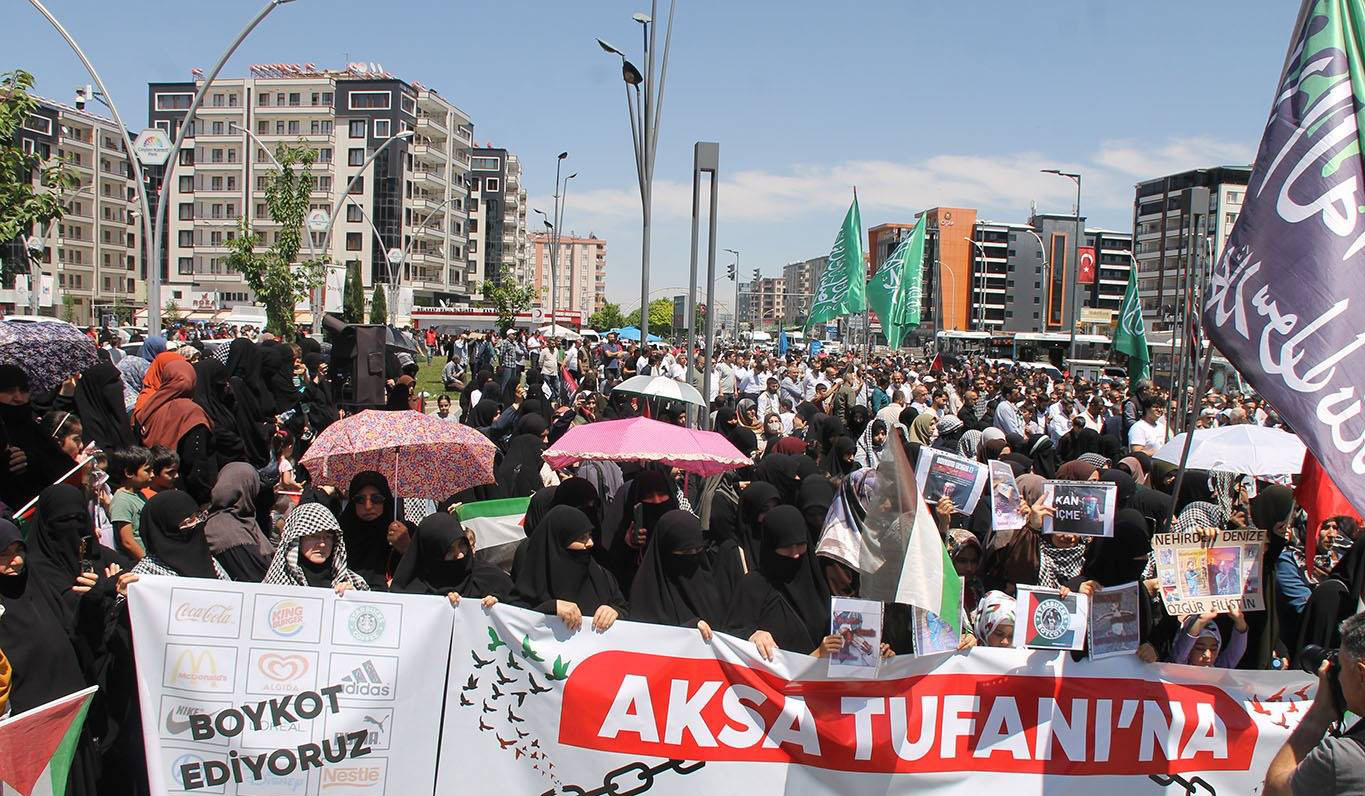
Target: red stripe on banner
<point x="689" y="709"/>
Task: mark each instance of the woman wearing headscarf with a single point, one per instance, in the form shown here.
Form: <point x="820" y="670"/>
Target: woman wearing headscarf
<point x="1077" y="441"/>
<point x="630" y="521"/>
<point x="728" y="426"/>
<point x="277" y="375"/>
<point x="312" y="552"/>
<point x="234" y="537"/>
<point x="364" y="523"/>
<point x="816" y="496"/>
<point x="173" y="532"/>
<point x="1122" y="559"/>
<point x="784" y="472"/>
<point x="557" y="574"/>
<point x="99" y="403"/>
<point x="839" y="459"/>
<point x="213" y="395"/>
<point x="520" y="472"/>
<point x="169" y="416"/>
<point x="994" y="620"/>
<point x="35" y="634"/>
<point x="30" y="459"/>
<point x="318" y="395"/>
<point x="772" y="431"/>
<point x="970" y="444"/>
<point x="967" y="554"/>
<point x="1076" y="470"/>
<point x="871" y="445"/>
<point x="1043" y="454"/>
<point x="62" y="545"/>
<point x="133" y="370"/>
<point x="784" y="601"/>
<point x="923" y="429"/>
<point x="755" y="500"/>
<point x="441" y="561"/>
<point x="676" y="583"/>
<point x="1200" y="641"/>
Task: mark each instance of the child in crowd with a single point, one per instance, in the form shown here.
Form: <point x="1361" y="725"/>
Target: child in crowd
<point x="65" y="428"/>
<point x="130" y="469"/>
<point x="1200" y="642"/>
<point x="165" y="471"/>
<point x="282" y="450"/>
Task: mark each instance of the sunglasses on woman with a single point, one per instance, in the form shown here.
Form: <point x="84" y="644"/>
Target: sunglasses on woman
<point x="373" y="500"/>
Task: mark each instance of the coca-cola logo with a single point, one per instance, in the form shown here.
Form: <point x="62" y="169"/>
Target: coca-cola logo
<point x="688" y="709"/>
<point x="211" y="614"/>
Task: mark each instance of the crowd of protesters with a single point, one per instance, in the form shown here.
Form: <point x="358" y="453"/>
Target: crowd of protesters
<point x="192" y="452"/>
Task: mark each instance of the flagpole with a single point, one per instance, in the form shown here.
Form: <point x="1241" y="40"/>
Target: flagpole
<point x="1189" y="442"/>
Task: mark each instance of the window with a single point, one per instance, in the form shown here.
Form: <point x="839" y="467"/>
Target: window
<point x="261" y="211"/>
<point x="315" y="98"/>
<point x="485" y="163"/>
<point x="261" y="182"/>
<point x="186" y="237"/>
<point x="186" y="265"/>
<point x="187" y="211"/>
<point x="174" y="102"/>
<point x="381" y="128"/>
<point x="325" y="155"/>
<point x="491" y="184"/>
<point x="357" y="128"/>
<point x="216" y="183"/>
<point x="218" y="128"/>
<point x="408" y="104"/>
<point x="326" y="126"/>
<point x="372" y="100"/>
<point x="353" y="241"/>
<point x="263" y="99"/>
<point x="353" y="213"/>
<point x="355" y="156"/>
<point x="279" y="127"/>
<point x="358" y="187"/>
<point x="315" y="127"/>
<point x="294" y="99"/>
<point x="262" y="127"/>
<point x="186" y="184"/>
<point x="326" y="98"/>
<point x="294" y="127"/>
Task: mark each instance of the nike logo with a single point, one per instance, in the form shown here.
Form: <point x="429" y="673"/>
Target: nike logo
<point x="178" y="726"/>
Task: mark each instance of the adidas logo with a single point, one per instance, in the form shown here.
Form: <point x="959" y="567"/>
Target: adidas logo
<point x="365" y="681"/>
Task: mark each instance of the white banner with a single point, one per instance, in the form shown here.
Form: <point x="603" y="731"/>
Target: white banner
<point x="531" y="708"/>
<point x="252" y="689"/>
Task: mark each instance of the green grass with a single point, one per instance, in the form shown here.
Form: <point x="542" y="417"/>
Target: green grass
<point x="429" y="381"/>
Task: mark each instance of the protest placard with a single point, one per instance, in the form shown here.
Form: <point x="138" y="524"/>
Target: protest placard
<point x="941" y="474"/>
<point x="1113" y="623"/>
<point x="1044" y="619"/>
<point x="1005" y="513"/>
<point x="859" y="624"/>
<point x="1197" y="576"/>
<point x="1085" y="508"/>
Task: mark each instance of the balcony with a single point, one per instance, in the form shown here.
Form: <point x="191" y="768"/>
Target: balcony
<point x="428" y="152"/>
<point x="465" y="134"/>
<point x="429" y="123"/>
<point x="427" y="177"/>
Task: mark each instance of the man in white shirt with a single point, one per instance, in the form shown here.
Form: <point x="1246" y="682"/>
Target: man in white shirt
<point x="1059" y="417"/>
<point x="1149" y="432"/>
<point x="769" y="400"/>
<point x="549" y="367"/>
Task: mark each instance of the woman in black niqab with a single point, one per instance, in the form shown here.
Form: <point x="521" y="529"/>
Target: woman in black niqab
<point x="61" y="538"/>
<point x="838" y="461"/>
<point x="367" y="542"/>
<point x="1121" y="558"/>
<point x="99" y="402"/>
<point x="174" y="537"/>
<point x="783" y="472"/>
<point x="519" y="473"/>
<point x="550" y="573"/>
<point x="19" y="429"/>
<point x="785" y="596"/>
<point x="441" y="561"/>
<point x="817" y="494"/>
<point x="675" y="584"/>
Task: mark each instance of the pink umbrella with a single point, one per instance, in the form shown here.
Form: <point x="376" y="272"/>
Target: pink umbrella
<point x="640" y="439"/>
<point x="422" y="456"/>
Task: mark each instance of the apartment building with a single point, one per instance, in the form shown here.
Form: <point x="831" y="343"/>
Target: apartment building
<point x="497" y="218"/>
<point x="801" y="281"/>
<point x="762" y="303"/>
<point x="90" y="256"/>
<point x="1170" y="211"/>
<point x="582" y="272"/>
<point x="410" y="199"/>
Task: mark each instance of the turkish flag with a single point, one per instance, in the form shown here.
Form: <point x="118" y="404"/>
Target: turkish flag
<point x="1321" y="499"/>
<point x="1085" y="275"/>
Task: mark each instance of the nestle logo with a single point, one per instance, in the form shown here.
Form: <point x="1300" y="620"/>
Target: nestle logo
<point x="215" y="614"/>
<point x="360" y="775"/>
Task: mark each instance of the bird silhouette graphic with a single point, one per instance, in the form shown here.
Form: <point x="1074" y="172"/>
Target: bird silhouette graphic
<point x="521" y="734"/>
<point x="512" y="717"/>
<point x="1277" y="696"/>
<point x="521" y="697"/>
<point x="536" y="688"/>
<point x="494" y="641"/>
<point x="512" y="662"/>
<point x="1283" y="722"/>
<point x="1256" y="707"/>
<point x="526" y="651"/>
<point x="465" y="703"/>
<point x="487" y="709"/>
<point x="502" y="743"/>
<point x="483" y="727"/>
<point x="535" y="743"/>
<point x="496" y="693"/>
<point x="502" y="678"/>
<point x="1293" y="708"/>
<point x="519" y="752"/>
<point x="471" y="684"/>
<point x="559" y="670"/>
<point x="479" y="663"/>
<point x="1302" y="693"/>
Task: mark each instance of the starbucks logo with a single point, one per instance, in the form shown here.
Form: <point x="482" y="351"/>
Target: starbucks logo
<point x="366" y="624"/>
<point x="1051" y="619"/>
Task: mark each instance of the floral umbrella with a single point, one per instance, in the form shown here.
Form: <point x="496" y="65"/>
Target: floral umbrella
<point x="640" y="439"/>
<point x="48" y="352"/>
<point x="422" y="456"/>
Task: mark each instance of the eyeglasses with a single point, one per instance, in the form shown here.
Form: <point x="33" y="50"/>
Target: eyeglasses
<point x="373" y="500"/>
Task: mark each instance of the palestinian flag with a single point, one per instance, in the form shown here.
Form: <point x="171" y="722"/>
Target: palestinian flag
<point x="37" y="746"/>
<point x="495" y="522"/>
<point x="928" y="578"/>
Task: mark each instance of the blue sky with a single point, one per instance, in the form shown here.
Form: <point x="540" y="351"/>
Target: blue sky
<point x="917" y="103"/>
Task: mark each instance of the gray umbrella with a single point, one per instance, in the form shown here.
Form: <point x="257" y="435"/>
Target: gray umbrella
<point x="48" y="351"/>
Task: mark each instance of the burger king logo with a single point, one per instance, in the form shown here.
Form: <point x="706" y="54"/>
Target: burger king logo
<point x="286" y="618"/>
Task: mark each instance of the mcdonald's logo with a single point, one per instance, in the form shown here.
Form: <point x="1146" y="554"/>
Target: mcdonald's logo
<point x="200" y="668"/>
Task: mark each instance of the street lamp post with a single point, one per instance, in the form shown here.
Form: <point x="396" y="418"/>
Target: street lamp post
<point x="645" y="132"/>
<point x="158" y="236"/>
<point x="981" y="302"/>
<point x="1077" y="249"/>
<point x="133" y="162"/>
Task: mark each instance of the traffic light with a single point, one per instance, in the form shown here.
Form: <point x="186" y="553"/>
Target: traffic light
<point x="730" y="272"/>
<point x="757" y="275"/>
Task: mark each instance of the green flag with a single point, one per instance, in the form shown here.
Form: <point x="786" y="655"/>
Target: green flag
<point x="894" y="291"/>
<point x="1131" y="335"/>
<point x="844" y="284"/>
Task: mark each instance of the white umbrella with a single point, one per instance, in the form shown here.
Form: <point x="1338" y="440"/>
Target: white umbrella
<point x="1243" y="448"/>
<point x="661" y="387"/>
<point x="559" y="331"/>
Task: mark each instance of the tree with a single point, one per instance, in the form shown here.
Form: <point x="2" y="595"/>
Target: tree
<point x="68" y="308"/>
<point x="24" y="206"/>
<point x="170" y="313"/>
<point x="379" y="306"/>
<point x="608" y="317"/>
<point x="353" y="301"/>
<point x="508" y="298"/>
<point x="660" y="317"/>
<point x="270" y="273"/>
